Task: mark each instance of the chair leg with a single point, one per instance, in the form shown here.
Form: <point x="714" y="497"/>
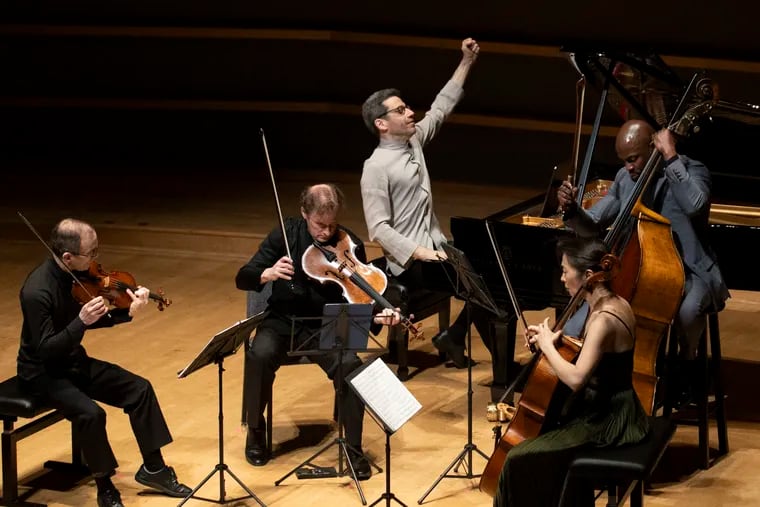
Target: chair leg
<point x="612" y="496"/>
<point x="10" y="470"/>
<point x="703" y="414"/>
<point x="715" y="373"/>
<point x="637" y="494"/>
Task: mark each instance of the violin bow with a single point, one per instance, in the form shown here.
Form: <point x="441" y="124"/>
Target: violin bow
<point x="276" y="196"/>
<point x="507" y="282"/>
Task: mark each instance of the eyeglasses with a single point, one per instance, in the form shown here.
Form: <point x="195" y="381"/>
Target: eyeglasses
<point x="92" y="254"/>
<point x="400" y="110"/>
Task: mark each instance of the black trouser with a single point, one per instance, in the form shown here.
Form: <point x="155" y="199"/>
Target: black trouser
<point x="268" y="351"/>
<point x="441" y="277"/>
<point x="75" y="396"/>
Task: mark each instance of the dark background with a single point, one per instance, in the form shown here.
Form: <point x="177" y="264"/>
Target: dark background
<point x="184" y="88"/>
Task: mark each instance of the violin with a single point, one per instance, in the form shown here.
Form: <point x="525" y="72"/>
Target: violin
<point x="112" y="285"/>
<point x="361" y="283"/>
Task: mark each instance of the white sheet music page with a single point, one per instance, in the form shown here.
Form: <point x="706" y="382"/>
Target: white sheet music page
<point x="385" y="395"/>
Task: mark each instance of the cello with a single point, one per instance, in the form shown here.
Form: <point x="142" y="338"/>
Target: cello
<point x="540" y="402"/>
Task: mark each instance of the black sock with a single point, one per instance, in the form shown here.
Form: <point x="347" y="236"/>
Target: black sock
<point x="104" y="483"/>
<point x="153" y="461"/>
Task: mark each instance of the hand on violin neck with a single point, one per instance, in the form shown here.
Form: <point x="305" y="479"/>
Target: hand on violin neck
<point x="388" y="317"/>
<point x="283" y="268"/>
<point x="139" y="299"/>
<point x="425" y="254"/>
<point x="93" y="310"/>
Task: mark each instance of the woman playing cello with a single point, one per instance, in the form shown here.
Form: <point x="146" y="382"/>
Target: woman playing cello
<point x="603" y="409"/>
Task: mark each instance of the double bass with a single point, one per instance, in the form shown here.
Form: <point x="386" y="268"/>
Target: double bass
<point x="652" y="275"/>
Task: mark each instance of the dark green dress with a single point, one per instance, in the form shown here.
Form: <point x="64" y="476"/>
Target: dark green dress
<point x="606" y="412"/>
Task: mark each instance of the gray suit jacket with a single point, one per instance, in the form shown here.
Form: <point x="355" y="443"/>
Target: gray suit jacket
<point x="680" y="193"/>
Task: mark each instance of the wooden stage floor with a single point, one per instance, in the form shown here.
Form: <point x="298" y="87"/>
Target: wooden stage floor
<point x="190" y="238"/>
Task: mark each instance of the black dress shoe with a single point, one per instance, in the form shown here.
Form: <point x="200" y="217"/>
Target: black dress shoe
<point x="109" y="498"/>
<point x="444" y="342"/>
<point x="361" y="466"/>
<point x="256" y="451"/>
<point x="164" y="481"/>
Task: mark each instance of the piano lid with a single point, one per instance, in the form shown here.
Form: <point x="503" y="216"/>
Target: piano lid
<point x="642" y="86"/>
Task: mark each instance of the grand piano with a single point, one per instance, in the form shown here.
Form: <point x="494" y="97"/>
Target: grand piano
<point x="630" y="86"/>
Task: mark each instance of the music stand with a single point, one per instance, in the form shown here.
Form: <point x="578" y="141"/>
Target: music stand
<point x="389" y="403"/>
<point x="470" y="287"/>
<point x="223" y="344"/>
<point x="345" y="327"/>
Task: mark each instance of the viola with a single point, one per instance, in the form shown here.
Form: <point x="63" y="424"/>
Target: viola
<point x="360" y="283"/>
<point x="112" y="285"/>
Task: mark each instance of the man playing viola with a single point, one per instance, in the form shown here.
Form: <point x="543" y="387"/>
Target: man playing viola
<point x="295" y="295"/>
<point x="53" y="364"/>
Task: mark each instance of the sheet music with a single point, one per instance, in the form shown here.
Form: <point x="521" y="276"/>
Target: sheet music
<point x="385" y="395"/>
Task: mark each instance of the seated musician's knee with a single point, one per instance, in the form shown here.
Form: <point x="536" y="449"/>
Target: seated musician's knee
<point x="92" y="418"/>
<point x="264" y="348"/>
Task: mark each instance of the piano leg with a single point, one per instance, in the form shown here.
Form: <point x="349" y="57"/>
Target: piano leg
<point x="505" y="369"/>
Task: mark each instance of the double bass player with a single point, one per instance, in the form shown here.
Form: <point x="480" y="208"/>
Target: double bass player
<point x="679" y="191"/>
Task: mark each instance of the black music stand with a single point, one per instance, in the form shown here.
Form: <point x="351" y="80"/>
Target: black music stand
<point x="224" y="344"/>
<point x="389" y="403"/>
<point x="345" y="328"/>
<point x="470" y="287"/>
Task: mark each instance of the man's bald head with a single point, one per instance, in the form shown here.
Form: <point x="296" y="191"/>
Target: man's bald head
<point x="322" y="198"/>
<point x="633" y="135"/>
<point x="633" y="146"/>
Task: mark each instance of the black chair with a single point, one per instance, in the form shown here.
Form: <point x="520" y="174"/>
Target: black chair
<point x="620" y="471"/>
<point x="15" y="404"/>
<point x="256" y="302"/>
<point x="421" y="303"/>
<point x="708" y="381"/>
